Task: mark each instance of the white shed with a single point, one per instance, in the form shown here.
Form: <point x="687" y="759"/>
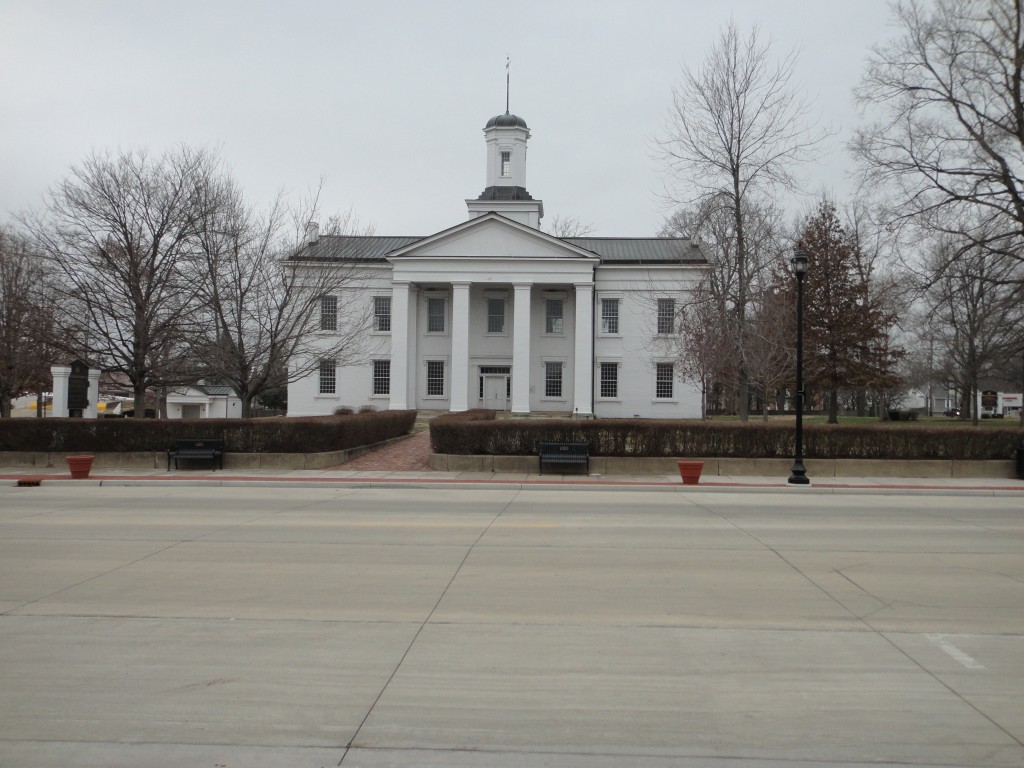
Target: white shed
<point x="203" y="401"/>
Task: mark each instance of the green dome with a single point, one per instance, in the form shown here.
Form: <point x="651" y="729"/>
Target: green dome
<point x="506" y="121"/>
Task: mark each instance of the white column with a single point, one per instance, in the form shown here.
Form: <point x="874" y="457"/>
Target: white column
<point x="583" y="372"/>
<point x="412" y="347"/>
<point x="92" y="409"/>
<point x="399" y="346"/>
<point x="521" y="349"/>
<point x="61" y="374"/>
<point x="460" y="347"/>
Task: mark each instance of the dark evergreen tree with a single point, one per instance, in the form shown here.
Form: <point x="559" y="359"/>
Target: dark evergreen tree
<point x="846" y="332"/>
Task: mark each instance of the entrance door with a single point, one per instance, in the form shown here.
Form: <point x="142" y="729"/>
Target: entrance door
<point x="495" y="392"/>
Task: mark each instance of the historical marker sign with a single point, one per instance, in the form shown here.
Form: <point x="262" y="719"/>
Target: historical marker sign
<point x="78" y="386"/>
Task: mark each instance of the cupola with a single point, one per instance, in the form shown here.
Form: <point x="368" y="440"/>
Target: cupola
<point x="505" y="137"/>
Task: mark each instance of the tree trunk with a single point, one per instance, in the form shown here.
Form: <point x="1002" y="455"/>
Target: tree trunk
<point x="140" y="401"/>
<point x="862" y="402"/>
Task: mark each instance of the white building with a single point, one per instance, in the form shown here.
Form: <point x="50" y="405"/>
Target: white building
<point x="495" y="313"/>
<point x="204" y="401"/>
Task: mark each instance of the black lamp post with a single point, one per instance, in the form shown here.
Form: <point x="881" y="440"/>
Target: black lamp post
<point x="799" y="266"/>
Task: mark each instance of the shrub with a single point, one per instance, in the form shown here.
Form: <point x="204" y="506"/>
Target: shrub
<point x="301" y="435"/>
<point x="474" y="433"/>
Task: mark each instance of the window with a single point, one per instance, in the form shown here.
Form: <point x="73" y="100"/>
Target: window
<point x="609" y="379"/>
<point x="328" y="377"/>
<point x="666" y="316"/>
<point x="553" y="322"/>
<point x="495" y="315"/>
<point x="506" y="163"/>
<point x="382" y="313"/>
<point x="382" y="377"/>
<point x="435" y="315"/>
<point x="552" y="379"/>
<point x="435" y="378"/>
<point x="329" y="313"/>
<point x="609" y="316"/>
<point x="663" y="379"/>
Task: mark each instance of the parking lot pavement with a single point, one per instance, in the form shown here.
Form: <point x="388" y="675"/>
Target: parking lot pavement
<point x="315" y="626"/>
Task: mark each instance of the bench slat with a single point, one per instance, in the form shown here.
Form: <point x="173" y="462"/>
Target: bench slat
<point x="570" y="454"/>
<point x="198" y="449"/>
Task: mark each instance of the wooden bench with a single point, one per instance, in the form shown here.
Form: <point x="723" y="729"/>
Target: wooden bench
<point x="564" y="454"/>
<point x="203" y="449"/>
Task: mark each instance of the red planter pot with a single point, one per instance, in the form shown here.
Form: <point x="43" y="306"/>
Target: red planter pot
<point x="690" y="471"/>
<point x="80" y="466"/>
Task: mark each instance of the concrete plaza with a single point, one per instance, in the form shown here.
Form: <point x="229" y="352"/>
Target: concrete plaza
<point x="306" y="626"/>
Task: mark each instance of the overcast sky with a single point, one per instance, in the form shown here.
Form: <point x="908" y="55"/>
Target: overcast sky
<point x="387" y="99"/>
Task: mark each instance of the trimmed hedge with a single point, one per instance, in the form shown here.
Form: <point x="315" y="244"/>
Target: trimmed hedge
<point x="477" y="433"/>
<point x="301" y="435"/>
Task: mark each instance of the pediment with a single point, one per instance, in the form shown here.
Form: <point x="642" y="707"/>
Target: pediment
<point x="492" y="236"/>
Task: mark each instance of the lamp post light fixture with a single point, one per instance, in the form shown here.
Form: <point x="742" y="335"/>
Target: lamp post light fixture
<point x="799" y="265"/>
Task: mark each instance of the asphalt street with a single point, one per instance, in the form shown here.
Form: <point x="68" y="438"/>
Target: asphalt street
<point x="370" y="627"/>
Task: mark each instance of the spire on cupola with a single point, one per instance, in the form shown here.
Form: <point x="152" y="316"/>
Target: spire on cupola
<point x="506" y="136"/>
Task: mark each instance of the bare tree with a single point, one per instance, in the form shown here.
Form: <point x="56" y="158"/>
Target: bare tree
<point x="120" y="227"/>
<point x="263" y="313"/>
<point x="27" y="310"/>
<point x="712" y="224"/>
<point x="948" y="140"/>
<point x="770" y="353"/>
<point x="701" y="344"/>
<point x="736" y="130"/>
<point x="568" y="226"/>
<point x="977" y="299"/>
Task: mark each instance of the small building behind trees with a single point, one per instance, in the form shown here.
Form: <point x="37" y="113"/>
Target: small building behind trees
<point x="203" y="401"/>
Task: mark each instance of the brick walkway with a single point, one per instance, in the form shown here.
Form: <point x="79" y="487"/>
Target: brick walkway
<point x="407" y="454"/>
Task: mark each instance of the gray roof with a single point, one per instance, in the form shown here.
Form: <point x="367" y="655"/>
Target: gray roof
<point x="353" y="247"/>
<point x="215" y="389"/>
<point x="611" y="250"/>
<point x="641" y="250"/>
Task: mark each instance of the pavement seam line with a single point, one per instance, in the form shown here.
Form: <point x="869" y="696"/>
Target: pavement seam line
<point x="424" y="623"/>
<point x="864" y="621"/>
<point x="172" y="545"/>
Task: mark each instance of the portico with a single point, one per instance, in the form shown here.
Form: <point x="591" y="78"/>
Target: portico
<point x="515" y="299"/>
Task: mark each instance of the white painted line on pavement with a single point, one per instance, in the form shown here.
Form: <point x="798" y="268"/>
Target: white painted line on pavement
<point x="968" y="661"/>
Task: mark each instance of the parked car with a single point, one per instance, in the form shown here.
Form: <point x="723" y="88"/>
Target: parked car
<point x="951" y="412"/>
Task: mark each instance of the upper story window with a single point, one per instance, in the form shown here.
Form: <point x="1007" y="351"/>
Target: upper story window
<point x="553" y="316"/>
<point x="506" y="163"/>
<point x="329" y="313"/>
<point x="435" y="315"/>
<point x="666" y="316"/>
<point x="382" y="313"/>
<point x="328" y="377"/>
<point x="495" y="315"/>
<point x="610" y="316"/>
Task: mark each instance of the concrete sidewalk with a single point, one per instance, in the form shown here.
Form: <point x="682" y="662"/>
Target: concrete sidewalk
<point x="356" y="478"/>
